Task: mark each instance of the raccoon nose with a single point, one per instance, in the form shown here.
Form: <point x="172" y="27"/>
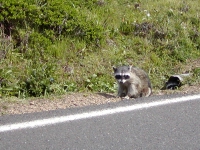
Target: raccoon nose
<point x="122" y="81"/>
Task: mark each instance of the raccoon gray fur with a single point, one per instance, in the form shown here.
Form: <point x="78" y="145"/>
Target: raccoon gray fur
<point x="132" y="82"/>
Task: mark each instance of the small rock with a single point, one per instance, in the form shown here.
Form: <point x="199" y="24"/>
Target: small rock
<point x="32" y="103"/>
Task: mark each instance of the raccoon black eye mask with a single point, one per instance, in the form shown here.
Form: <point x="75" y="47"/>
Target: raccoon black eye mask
<point x="122" y="77"/>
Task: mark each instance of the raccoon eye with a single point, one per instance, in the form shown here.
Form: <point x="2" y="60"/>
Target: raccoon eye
<point x="126" y="76"/>
<point x="118" y="77"/>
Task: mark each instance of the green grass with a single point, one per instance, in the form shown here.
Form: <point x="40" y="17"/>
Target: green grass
<point x="53" y="58"/>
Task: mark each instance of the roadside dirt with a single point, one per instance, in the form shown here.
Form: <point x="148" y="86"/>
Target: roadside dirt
<point x="75" y="100"/>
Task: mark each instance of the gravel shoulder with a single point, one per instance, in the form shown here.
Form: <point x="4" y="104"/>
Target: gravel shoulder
<point x="20" y="106"/>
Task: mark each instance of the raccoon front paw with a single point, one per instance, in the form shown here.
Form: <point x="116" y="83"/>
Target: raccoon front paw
<point x="126" y="97"/>
<point x="117" y="96"/>
<point x="121" y="94"/>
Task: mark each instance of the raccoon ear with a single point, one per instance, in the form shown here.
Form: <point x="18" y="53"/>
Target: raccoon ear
<point x="130" y="67"/>
<point x="114" y="68"/>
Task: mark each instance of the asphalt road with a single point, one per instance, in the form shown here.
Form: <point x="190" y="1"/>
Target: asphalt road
<point x="154" y="123"/>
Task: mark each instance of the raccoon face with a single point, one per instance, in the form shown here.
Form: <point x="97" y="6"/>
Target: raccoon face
<point x="122" y="74"/>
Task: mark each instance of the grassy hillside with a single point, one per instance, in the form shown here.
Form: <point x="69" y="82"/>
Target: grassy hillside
<point x="54" y="47"/>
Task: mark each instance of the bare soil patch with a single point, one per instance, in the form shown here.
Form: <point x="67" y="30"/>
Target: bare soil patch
<point x="75" y="100"/>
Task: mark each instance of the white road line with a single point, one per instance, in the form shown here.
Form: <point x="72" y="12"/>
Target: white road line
<point x="104" y="112"/>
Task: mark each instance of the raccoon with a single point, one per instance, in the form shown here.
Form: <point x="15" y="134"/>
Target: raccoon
<point x="132" y="82"/>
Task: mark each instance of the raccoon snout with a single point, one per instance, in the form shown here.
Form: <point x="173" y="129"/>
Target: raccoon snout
<point x="122" y="81"/>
